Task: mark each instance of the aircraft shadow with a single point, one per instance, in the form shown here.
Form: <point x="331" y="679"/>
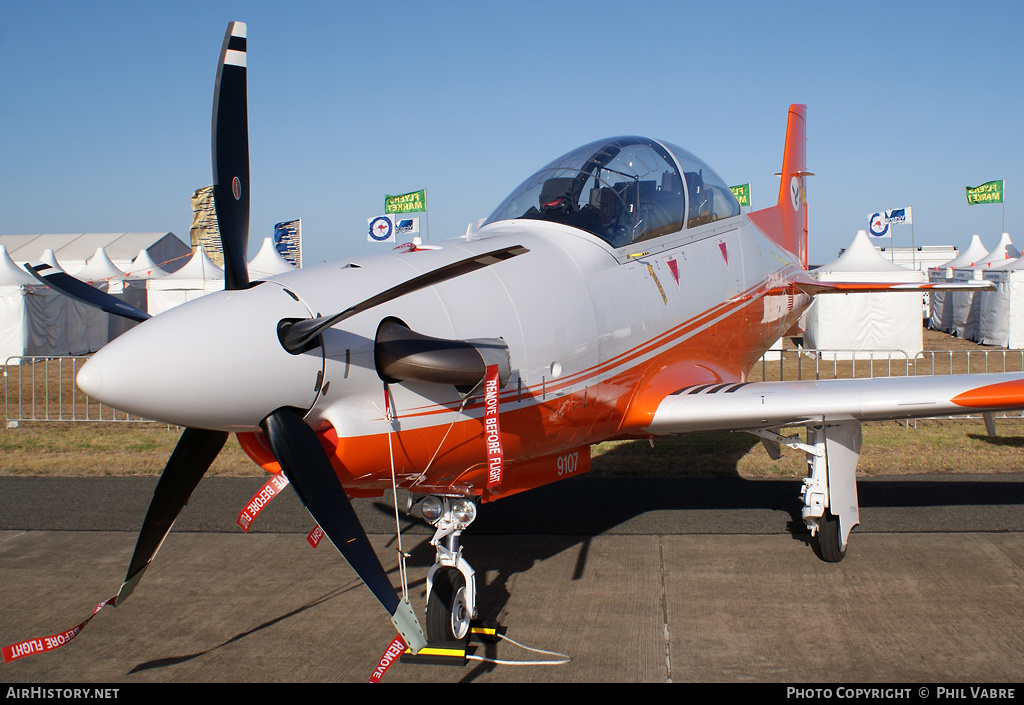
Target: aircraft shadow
<point x="174" y="660"/>
<point x="1008" y="441"/>
<point x="568" y="515"/>
<point x="572" y="512"/>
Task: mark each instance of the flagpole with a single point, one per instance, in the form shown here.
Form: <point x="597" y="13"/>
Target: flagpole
<point x="426" y="218"/>
<point x="913" y="247"/>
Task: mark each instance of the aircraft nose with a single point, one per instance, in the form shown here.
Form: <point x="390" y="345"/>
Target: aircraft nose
<point x="213" y="363"/>
<point x="90" y="379"/>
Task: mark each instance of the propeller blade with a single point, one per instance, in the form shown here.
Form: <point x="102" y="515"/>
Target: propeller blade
<point x="231" y="157"/>
<point x="309" y="471"/>
<point x="192" y="457"/>
<point x="295" y="335"/>
<point x="80" y="291"/>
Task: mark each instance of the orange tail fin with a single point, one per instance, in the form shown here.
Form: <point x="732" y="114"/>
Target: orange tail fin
<point x="786" y="222"/>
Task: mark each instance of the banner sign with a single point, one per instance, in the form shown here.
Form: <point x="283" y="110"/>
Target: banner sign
<point x="991" y="192"/>
<point x="878" y="223"/>
<point x="406" y="202"/>
<point x="288" y="241"/>
<point x="380" y="229"/>
<point x="314" y="536"/>
<point x="22" y="649"/>
<point x="205" y="230"/>
<point x="898" y="216"/>
<point x="742" y="194"/>
<point x="269" y="490"/>
<point x="492" y="428"/>
<point x="407" y="226"/>
<point x="395" y="649"/>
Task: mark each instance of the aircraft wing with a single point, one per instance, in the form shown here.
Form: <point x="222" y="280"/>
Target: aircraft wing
<point x="762" y="405"/>
<point x="813" y="287"/>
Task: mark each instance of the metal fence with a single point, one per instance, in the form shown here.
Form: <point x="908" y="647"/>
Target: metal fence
<point x="44" y="389"/>
<point x="810" y="364"/>
<point x="805" y="363"/>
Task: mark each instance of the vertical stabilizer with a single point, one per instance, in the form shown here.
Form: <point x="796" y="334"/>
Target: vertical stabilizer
<point x="786" y="222"/>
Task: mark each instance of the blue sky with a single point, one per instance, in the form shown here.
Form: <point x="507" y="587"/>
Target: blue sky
<point x="106" y="109"/>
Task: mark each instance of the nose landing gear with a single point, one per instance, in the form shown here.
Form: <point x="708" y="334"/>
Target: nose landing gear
<point x="451" y="620"/>
<point x="451" y="581"/>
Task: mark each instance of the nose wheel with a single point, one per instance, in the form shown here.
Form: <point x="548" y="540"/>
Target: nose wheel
<point x="451" y="581"/>
<point x="448" y="612"/>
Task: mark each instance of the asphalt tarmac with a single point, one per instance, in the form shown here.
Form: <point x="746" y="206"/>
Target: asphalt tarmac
<point x="644" y="581"/>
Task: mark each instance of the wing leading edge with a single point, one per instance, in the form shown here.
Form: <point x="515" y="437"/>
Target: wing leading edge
<point x="765" y="405"/>
<point x="813" y="287"/>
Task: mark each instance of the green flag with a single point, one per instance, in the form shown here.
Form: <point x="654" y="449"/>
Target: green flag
<point x="991" y="192"/>
<point x="406" y="202"/>
<point x="742" y="194"/>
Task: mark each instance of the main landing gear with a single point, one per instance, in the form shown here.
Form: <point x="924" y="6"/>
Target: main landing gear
<point x="829" y="492"/>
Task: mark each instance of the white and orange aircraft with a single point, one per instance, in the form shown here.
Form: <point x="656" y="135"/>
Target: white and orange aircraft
<point x="619" y="292"/>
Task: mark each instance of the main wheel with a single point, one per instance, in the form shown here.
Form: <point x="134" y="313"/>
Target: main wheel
<point x="448" y="614"/>
<point x="829" y="539"/>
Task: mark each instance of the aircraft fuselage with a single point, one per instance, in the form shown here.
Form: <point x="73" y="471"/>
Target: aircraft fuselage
<point x="588" y="349"/>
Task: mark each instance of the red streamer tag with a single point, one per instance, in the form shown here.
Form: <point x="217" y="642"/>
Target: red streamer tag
<point x="492" y="428"/>
<point x="315" y="535"/>
<point x="49" y="643"/>
<point x="395" y="649"/>
<point x="259" y="500"/>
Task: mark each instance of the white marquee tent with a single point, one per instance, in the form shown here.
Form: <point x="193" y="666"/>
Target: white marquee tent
<point x="940" y="313"/>
<point x="147" y="270"/>
<point x="144" y="267"/>
<point x="854" y="324"/>
<point x="102" y="273"/>
<point x="966" y="311"/>
<point x="35" y="320"/>
<point x="268" y="262"/>
<point x="198" y="277"/>
<point x="72" y="250"/>
<point x="1001" y="312"/>
<point x="99" y="268"/>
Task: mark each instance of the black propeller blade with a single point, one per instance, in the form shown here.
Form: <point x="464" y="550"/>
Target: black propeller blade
<point x="80" y="291"/>
<point x="196" y="448"/>
<point x="192" y="457"/>
<point x="231" y="157"/>
<point x="296" y="335"/>
<point x="309" y="471"/>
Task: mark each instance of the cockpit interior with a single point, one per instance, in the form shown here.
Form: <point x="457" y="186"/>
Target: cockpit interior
<point x="623" y="190"/>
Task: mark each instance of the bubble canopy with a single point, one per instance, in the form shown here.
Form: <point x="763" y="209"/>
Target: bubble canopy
<point x="623" y="190"/>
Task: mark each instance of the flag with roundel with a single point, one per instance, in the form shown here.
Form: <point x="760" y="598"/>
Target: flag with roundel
<point x="380" y="229"/>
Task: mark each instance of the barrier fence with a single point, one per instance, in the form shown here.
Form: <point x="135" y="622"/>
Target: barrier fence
<point x="803" y="363"/>
<point x="44" y="389"/>
<point x="810" y="364"/>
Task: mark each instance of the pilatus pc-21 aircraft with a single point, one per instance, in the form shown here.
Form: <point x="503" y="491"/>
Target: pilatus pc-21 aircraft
<point x="619" y="292"/>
